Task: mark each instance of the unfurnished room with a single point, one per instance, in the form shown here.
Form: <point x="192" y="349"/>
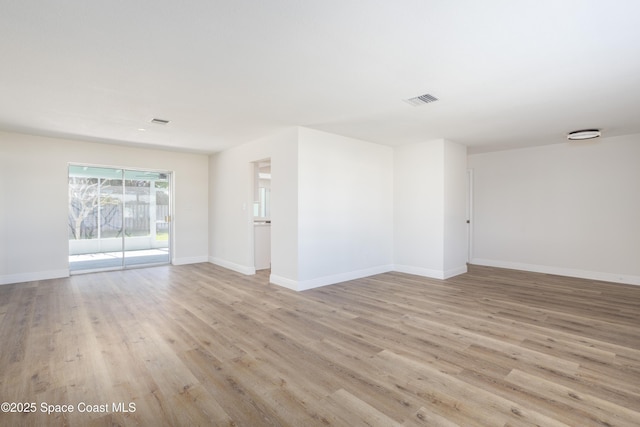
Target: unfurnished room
<point x="320" y="213"/>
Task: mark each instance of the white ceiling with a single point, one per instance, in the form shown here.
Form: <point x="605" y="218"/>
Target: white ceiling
<point x="507" y="73"/>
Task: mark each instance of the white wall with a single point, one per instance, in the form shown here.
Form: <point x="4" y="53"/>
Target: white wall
<point x="419" y="208"/>
<point x="455" y="209"/>
<point x="34" y="200"/>
<point x="569" y="209"/>
<point x="345" y="208"/>
<point x="430" y="208"/>
<point x="231" y="212"/>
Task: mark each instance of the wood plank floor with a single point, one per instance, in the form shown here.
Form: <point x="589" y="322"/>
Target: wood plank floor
<point x="201" y="345"/>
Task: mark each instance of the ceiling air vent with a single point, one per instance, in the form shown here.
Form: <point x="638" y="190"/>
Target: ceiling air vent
<point x="159" y="121"/>
<point x="421" y="100"/>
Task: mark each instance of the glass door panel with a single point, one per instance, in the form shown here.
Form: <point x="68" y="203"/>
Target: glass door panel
<point x="95" y="218"/>
<point x="146" y="218"/>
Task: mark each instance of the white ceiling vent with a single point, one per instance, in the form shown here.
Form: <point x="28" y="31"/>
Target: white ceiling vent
<point x="159" y="121"/>
<point x="421" y="100"/>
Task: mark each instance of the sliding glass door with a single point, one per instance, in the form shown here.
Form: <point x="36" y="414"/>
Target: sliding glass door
<point x="118" y="218"/>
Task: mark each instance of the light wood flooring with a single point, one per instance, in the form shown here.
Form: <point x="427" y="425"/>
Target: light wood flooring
<point x="201" y="345"/>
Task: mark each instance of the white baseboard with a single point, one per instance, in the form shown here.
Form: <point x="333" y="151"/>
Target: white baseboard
<point x="31" y="277"/>
<point x="455" y="271"/>
<point x="560" y="271"/>
<point x="419" y="271"/>
<point x="303" y="285"/>
<point x="284" y="282"/>
<point x="244" y="269"/>
<point x="190" y="260"/>
<point x="426" y="272"/>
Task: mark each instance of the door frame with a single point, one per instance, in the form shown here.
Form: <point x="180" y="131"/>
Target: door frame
<point x="469" y="215"/>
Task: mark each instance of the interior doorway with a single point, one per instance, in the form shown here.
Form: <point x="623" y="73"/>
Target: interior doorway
<point x="118" y="218"/>
<point x="262" y="214"/>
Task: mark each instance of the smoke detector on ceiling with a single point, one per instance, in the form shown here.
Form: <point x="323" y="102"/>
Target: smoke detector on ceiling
<point x="421" y="100"/>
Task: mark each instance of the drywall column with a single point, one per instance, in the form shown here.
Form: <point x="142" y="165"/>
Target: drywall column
<point x="429" y="209"/>
<point x="455" y="209"/>
<point x="345" y="208"/>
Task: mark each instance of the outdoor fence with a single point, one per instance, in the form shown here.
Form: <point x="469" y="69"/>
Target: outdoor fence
<point x="109" y="221"/>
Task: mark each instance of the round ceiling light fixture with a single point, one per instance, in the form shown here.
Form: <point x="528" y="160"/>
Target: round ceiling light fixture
<point x="580" y="135"/>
